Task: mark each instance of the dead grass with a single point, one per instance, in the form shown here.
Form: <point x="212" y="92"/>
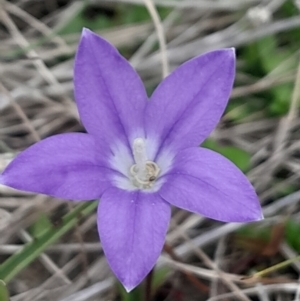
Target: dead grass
<point x="36" y="101"/>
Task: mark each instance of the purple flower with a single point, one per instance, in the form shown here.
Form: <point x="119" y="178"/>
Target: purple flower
<point x="140" y="156"/>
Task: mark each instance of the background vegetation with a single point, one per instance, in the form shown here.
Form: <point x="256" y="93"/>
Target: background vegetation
<point x="49" y="249"/>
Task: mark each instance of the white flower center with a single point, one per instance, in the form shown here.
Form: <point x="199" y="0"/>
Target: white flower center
<point x="136" y="168"/>
<point x="144" y="172"/>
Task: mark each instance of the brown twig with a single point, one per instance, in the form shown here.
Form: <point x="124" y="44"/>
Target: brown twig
<point x="197" y="283"/>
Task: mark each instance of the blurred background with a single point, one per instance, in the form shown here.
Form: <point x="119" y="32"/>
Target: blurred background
<point x="49" y="249"/>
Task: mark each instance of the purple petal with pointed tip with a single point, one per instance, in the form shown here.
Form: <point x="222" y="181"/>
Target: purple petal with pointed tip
<point x="109" y="93"/>
<point x="189" y="103"/>
<point x="66" y="166"/>
<point x="205" y="182"/>
<point x="132" y="227"/>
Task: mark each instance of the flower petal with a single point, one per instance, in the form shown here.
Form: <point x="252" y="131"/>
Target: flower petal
<point x="189" y="103"/>
<point x="132" y="227"/>
<point x="205" y="182"/>
<point x="109" y="93"/>
<point x="65" y="166"/>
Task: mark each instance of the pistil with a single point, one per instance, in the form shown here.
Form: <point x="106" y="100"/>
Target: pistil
<point x="144" y="172"/>
<point x="140" y="157"/>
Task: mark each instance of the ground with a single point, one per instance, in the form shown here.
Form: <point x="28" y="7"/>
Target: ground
<point x="260" y="130"/>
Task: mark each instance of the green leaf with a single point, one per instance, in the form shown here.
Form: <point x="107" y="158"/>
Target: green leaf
<point x="255" y="231"/>
<point x="4" y="295"/>
<point x="79" y="20"/>
<point x="238" y="156"/>
<point x="159" y="277"/>
<point x="18" y="261"/>
<point x="292" y="230"/>
<point x="134" y="295"/>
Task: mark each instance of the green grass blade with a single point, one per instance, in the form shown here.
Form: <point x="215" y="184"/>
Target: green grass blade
<point x="14" y="264"/>
<point x="4" y="296"/>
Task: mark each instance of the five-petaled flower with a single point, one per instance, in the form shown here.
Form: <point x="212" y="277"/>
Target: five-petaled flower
<point x="140" y="156"/>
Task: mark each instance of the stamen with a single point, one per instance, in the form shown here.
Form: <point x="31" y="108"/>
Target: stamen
<point x="144" y="172"/>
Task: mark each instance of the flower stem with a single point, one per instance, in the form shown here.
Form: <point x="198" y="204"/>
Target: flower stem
<point x="148" y="286"/>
